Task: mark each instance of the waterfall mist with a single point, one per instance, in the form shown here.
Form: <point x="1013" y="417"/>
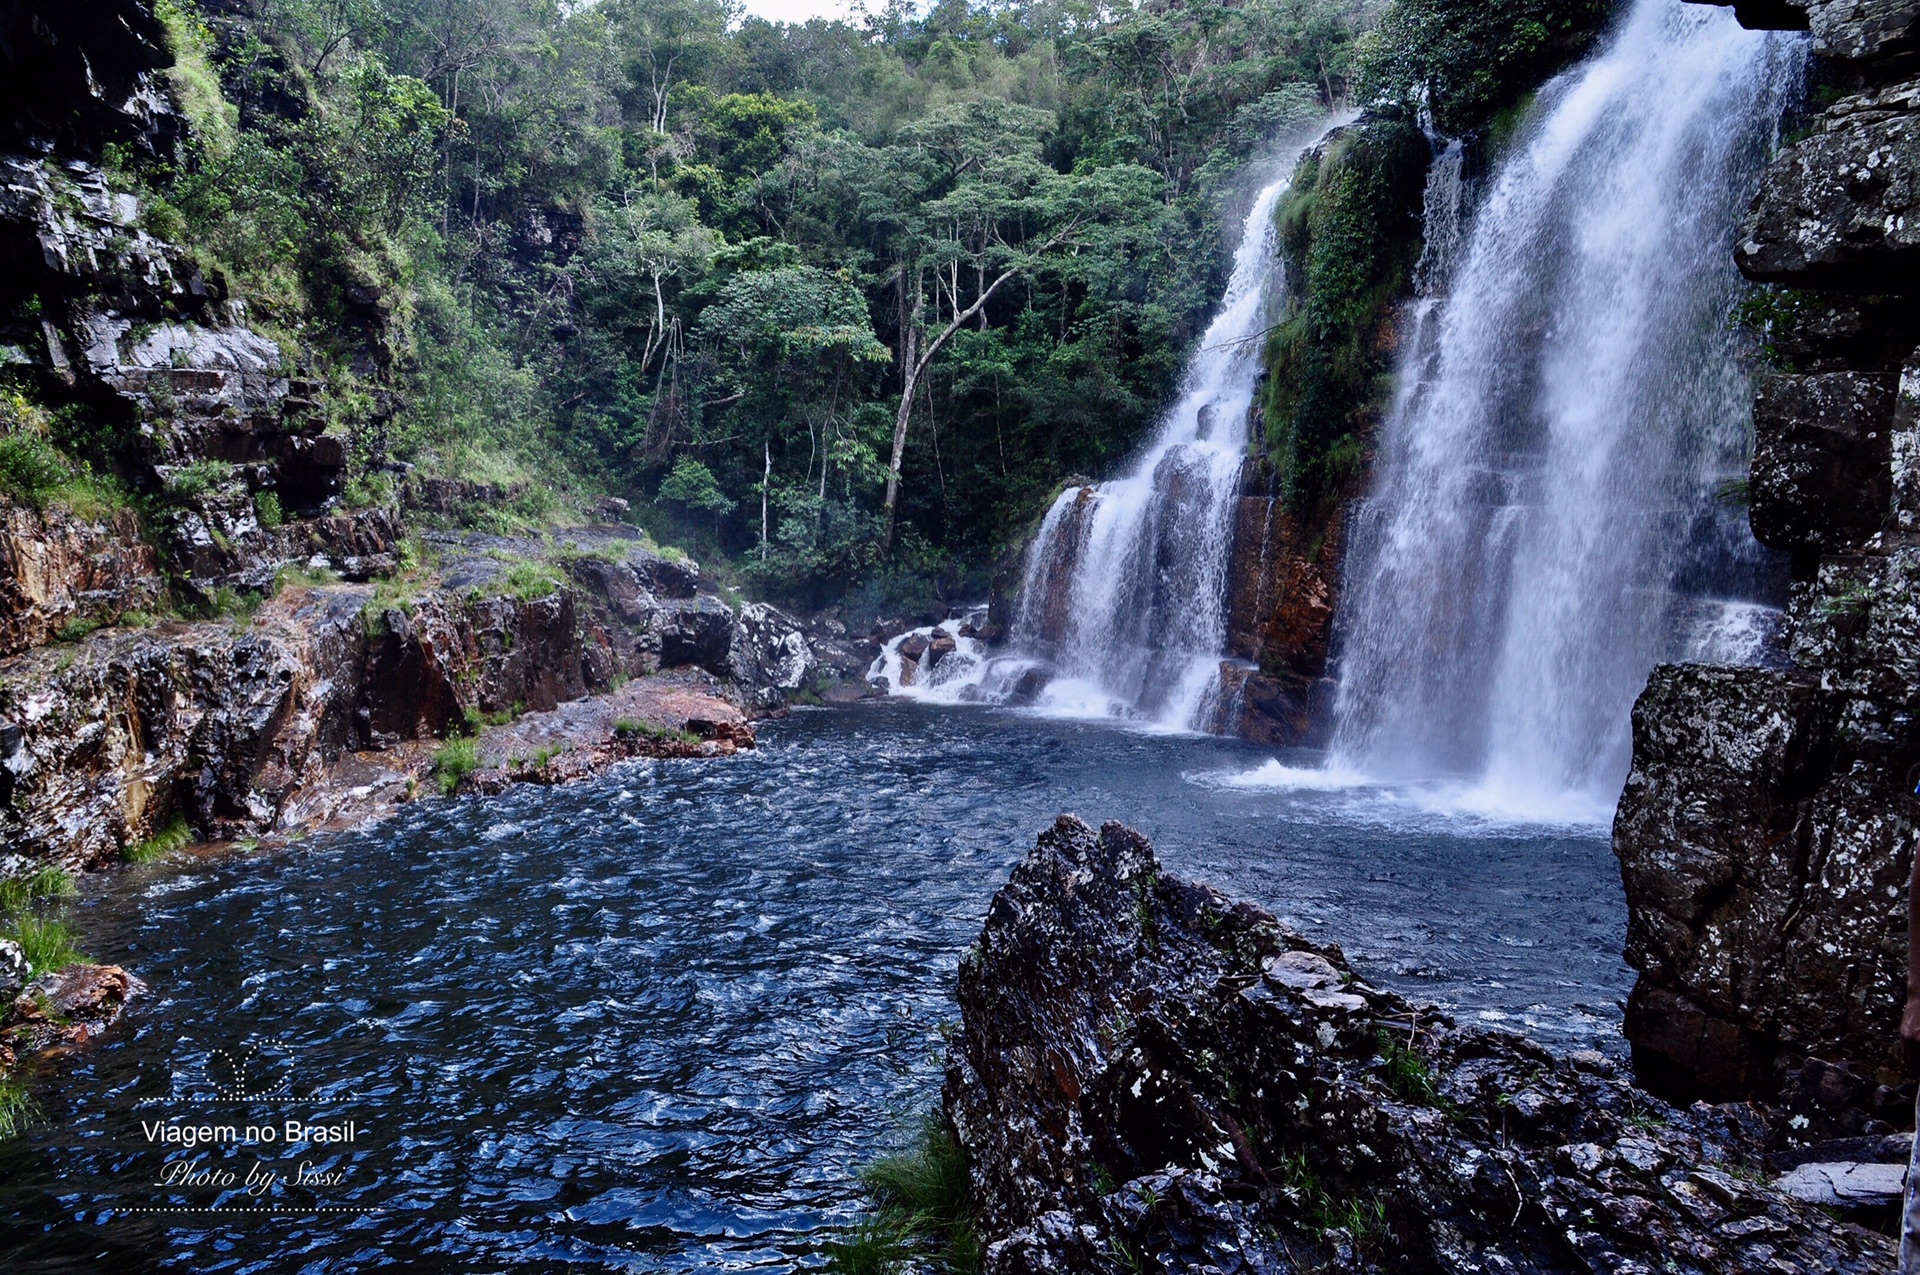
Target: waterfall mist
<point x="1542" y="526"/>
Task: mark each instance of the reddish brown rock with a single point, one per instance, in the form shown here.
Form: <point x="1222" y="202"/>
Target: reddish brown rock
<point x="57" y="570"/>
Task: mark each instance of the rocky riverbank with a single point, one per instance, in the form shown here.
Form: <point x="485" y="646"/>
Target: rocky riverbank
<point x="1150" y="1076"/>
<point x="1767" y="830"/>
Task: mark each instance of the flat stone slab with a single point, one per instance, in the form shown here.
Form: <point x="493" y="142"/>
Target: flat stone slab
<point x="1849" y="1186"/>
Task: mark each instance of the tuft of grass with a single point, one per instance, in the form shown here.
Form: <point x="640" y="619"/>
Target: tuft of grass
<point x="528" y="580"/>
<point x="203" y="477"/>
<point x="47" y="883"/>
<point x="923" y="1205"/>
<point x="17" y="1110"/>
<point x="47" y="943"/>
<point x="162" y="843"/>
<point x="1406" y="1072"/>
<point x="77" y="628"/>
<point x="454" y="761"/>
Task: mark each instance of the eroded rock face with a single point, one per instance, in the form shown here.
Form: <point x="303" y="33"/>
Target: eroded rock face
<point x="104" y="741"/>
<point x="57" y="571"/>
<point x="64" y="1009"/>
<point x="1841" y="208"/>
<point x="1149" y="1076"/>
<point x="1767" y="829"/>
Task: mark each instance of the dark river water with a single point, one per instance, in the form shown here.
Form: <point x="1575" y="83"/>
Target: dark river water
<point x="654" y="1022"/>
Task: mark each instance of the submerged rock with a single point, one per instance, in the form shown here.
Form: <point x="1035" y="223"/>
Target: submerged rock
<point x="1150" y="1076"/>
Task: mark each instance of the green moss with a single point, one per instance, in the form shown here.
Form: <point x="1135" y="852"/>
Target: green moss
<point x="1349" y="232"/>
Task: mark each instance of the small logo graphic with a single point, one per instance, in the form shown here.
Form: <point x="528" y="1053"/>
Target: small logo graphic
<point x="264" y="1069"/>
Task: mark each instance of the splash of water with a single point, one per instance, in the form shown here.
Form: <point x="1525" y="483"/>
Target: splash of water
<point x="1543" y="497"/>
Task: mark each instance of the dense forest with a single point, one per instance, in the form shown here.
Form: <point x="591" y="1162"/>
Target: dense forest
<point x="837" y="305"/>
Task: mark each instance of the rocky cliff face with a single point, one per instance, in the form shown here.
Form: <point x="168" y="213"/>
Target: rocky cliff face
<point x="1151" y="1077"/>
<point x="1282" y="583"/>
<point x="1767" y="829"/>
<point x="233" y="725"/>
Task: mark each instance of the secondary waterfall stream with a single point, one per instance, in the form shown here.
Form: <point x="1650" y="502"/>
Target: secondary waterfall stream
<point x="1543" y="526"/>
<point x="1123" y="599"/>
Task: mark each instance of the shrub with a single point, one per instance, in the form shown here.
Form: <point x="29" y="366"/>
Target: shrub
<point x="529" y="580"/>
<point x="266" y="507"/>
<point x="31" y="471"/>
<point x="190" y="482"/>
<point x="454" y="761"/>
<point x="77" y="628"/>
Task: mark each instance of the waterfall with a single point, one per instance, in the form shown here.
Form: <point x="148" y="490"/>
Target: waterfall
<point x="1123" y="602"/>
<point x="1542" y="527"/>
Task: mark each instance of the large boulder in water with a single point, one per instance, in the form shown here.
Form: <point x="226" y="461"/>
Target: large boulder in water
<point x="1150" y="1076"/>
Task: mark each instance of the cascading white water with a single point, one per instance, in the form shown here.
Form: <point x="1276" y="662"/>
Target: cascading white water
<point x="1543" y="498"/>
<point x="1124" y="591"/>
<point x="1122" y="608"/>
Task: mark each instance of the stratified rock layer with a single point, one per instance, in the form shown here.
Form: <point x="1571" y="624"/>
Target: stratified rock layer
<point x="229" y="725"/>
<point x="1767" y="830"/>
<point x="1151" y="1077"/>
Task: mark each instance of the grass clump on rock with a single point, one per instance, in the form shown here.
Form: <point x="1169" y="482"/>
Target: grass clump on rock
<point x="162" y="843"/>
<point x="922" y="1210"/>
<point x="454" y="761"/>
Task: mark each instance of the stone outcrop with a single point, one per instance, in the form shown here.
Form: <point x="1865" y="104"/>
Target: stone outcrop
<point x="63" y="1009"/>
<point x="1767" y="830"/>
<point x="104" y="741"/>
<point x="1149" y="1076"/>
<point x="1282" y="583"/>
<point x="59" y="573"/>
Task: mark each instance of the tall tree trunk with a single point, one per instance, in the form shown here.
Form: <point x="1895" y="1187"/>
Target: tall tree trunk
<point x="910" y="382"/>
<point x="766" y="480"/>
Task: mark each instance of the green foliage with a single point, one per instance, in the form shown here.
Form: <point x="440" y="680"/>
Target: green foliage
<point x="192" y="482"/>
<point x="266" y="507"/>
<point x="46" y="941"/>
<point x="692" y="486"/>
<point x="1467" y="59"/>
<point x="76" y="629"/>
<point x="454" y="761"/>
<point x="43" y="883"/>
<point x="640" y="247"/>
<point x="18" y="1111"/>
<point x="31" y="471"/>
<point x="526" y="579"/>
<point x="161" y="844"/>
<point x="1349" y="232"/>
<point x="923" y="1205"/>
<point x="1405" y="1072"/>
